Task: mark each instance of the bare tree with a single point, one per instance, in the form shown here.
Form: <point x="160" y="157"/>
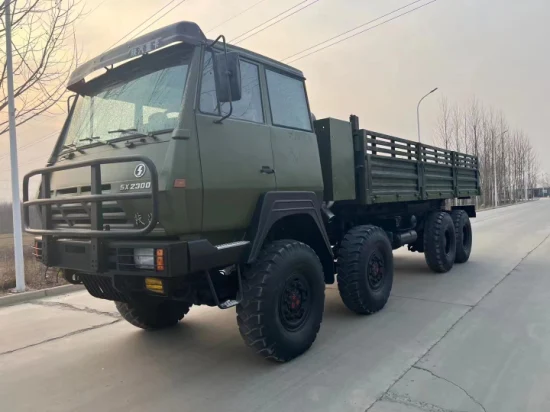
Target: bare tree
<point x="507" y="161"/>
<point x="456" y="124"/>
<point x="44" y="54"/>
<point x="545" y="180"/>
<point x="444" y="133"/>
<point x="475" y="114"/>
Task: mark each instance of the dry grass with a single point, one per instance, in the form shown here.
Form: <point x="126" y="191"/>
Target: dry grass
<point x="36" y="276"/>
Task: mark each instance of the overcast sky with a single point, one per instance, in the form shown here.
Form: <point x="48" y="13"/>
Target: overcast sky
<point x="496" y="50"/>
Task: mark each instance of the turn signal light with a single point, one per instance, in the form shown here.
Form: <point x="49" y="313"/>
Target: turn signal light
<point x="154" y="285"/>
<point x="159" y="260"/>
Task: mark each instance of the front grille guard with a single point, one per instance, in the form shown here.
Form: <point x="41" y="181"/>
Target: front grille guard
<point x="95" y="199"/>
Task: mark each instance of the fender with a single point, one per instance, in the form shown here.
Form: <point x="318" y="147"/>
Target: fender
<point x="273" y="206"/>
<point x="469" y="209"/>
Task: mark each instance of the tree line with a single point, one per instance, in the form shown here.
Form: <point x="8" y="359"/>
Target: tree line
<point x="508" y="163"/>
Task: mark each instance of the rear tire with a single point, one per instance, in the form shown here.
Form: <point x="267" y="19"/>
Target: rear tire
<point x="463" y="230"/>
<point x="152" y="316"/>
<point x="365" y="269"/>
<point x="283" y="301"/>
<point x="439" y="242"/>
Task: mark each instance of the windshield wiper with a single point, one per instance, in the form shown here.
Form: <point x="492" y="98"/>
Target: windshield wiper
<point x="91" y="139"/>
<point x="137" y="135"/>
<point x="71" y="148"/>
<point x="122" y="131"/>
<point x="133" y="135"/>
<point x="96" y="140"/>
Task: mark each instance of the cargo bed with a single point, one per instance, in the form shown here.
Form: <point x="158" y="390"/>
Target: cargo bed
<point x="371" y="167"/>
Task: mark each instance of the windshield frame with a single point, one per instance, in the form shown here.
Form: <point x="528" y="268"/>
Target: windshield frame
<point x="173" y="56"/>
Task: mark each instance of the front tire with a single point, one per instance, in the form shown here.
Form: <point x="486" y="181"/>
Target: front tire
<point x="463" y="230"/>
<point x="440" y="242"/>
<point x="283" y="301"/>
<point x="365" y="269"/>
<point x="153" y="315"/>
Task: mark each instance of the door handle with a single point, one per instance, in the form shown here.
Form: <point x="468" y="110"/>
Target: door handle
<point x="267" y="170"/>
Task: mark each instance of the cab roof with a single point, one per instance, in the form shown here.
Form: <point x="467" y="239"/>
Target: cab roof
<point x="183" y="31"/>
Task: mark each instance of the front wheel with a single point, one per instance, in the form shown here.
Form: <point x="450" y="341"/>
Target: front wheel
<point x="152" y="315"/>
<point x="283" y="301"/>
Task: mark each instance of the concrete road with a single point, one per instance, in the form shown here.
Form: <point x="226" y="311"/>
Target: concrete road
<point x="476" y="339"/>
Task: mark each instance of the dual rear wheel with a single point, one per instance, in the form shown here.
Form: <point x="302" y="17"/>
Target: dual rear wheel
<point x="447" y="239"/>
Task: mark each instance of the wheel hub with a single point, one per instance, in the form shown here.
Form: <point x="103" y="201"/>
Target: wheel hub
<point x="294" y="303"/>
<point x="375" y="270"/>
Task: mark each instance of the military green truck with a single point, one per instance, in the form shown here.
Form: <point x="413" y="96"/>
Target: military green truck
<point x="191" y="172"/>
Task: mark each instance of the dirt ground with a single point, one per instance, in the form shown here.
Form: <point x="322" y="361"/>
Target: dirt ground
<point x="36" y="276"/>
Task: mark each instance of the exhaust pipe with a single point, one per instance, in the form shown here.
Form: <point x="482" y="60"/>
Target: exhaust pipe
<point x="404" y="238"/>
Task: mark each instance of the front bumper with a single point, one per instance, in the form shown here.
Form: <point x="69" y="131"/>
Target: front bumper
<point x="93" y="256"/>
<point x="108" y="270"/>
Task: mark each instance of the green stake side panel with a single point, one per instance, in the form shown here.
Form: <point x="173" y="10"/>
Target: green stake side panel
<point x="396" y="170"/>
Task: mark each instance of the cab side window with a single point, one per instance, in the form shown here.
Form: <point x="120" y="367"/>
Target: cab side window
<point x="249" y="108"/>
<point x="287" y="97"/>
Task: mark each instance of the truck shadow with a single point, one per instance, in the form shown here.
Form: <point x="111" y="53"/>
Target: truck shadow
<point x="208" y="335"/>
<point x="211" y="336"/>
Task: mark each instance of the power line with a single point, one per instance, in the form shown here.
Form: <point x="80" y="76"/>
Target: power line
<point x="93" y="10"/>
<point x="267" y="21"/>
<point x="235" y="16"/>
<point x="27" y="162"/>
<point x="358" y="33"/>
<point x="160" y="17"/>
<point x="43" y="138"/>
<point x="351" y="30"/>
<point x="276" y="22"/>
<point x="140" y="24"/>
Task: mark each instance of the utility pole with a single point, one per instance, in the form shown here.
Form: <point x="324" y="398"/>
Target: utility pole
<point x="494" y="170"/>
<point x="495" y="164"/>
<point x="418" y="112"/>
<point x="525" y="183"/>
<point x="17" y="226"/>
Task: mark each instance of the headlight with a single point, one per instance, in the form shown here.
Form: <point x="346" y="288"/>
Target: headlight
<point x="144" y="258"/>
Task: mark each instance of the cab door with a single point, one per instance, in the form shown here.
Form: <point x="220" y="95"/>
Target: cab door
<point x="295" y="149"/>
<point x="236" y="155"/>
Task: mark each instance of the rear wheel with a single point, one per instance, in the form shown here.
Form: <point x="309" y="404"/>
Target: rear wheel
<point x="153" y="315"/>
<point x="439" y="242"/>
<point x="463" y="231"/>
<point x="283" y="301"/>
<point x="365" y="269"/>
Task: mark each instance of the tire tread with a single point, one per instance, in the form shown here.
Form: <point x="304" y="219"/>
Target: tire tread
<point x="249" y="311"/>
<point x="349" y="273"/>
<point x="458" y="216"/>
<point x="433" y="252"/>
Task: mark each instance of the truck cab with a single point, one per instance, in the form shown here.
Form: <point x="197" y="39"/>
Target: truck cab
<point x="157" y="97"/>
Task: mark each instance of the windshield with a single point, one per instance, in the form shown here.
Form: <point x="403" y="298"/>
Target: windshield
<point x="143" y="96"/>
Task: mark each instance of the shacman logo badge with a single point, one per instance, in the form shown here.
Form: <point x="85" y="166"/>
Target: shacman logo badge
<point x="139" y="171"/>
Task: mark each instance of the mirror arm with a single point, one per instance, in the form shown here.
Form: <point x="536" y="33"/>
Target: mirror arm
<point x="222" y="37"/>
<point x="72" y="96"/>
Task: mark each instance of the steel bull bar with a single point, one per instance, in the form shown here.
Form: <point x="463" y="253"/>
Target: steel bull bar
<point x="98" y="230"/>
<point x="95" y="199"/>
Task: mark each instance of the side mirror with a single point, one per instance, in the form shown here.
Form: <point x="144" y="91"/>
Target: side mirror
<point x="227" y="74"/>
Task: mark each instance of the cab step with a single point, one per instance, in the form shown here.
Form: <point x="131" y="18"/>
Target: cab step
<point x="230" y="302"/>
